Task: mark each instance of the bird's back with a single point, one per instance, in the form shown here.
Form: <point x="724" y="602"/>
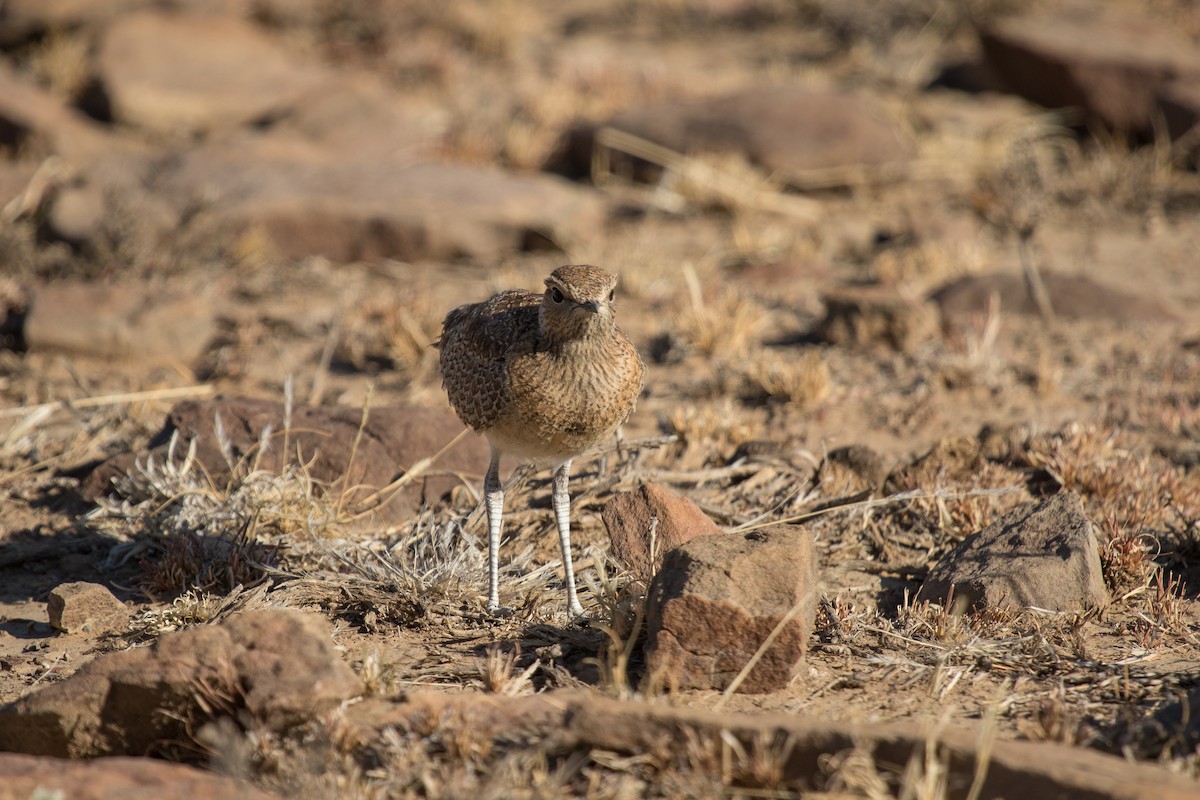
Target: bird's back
<point x="474" y="347"/>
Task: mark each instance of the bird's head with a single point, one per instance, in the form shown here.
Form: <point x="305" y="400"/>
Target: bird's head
<point x="578" y="302"/>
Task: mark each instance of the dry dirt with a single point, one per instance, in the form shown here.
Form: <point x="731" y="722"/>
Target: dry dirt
<point x="724" y="295"/>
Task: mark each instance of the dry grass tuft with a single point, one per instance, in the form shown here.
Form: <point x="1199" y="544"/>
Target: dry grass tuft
<point x="804" y="381"/>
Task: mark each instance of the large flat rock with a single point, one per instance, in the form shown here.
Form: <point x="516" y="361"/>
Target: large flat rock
<point x="173" y="73"/>
<point x="1110" y="63"/>
<point x="24" y="777"/>
<point x="785" y="130"/>
<point x="307" y="201"/>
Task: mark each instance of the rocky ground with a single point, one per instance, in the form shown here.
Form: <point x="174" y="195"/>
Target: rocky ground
<point x="910" y="506"/>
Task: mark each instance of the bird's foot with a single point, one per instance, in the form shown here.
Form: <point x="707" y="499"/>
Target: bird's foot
<point x="500" y="612"/>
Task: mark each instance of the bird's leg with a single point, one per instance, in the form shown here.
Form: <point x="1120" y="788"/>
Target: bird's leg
<point x="493" y="494"/>
<point x="562" y="516"/>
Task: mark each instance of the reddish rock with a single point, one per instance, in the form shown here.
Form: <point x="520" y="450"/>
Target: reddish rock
<point x="82" y="606"/>
<point x="346" y="206"/>
<point x="877" y="314"/>
<point x="1042" y="554"/>
<point x="1110" y="63"/>
<point x="125" y="321"/>
<point x="392" y="441"/>
<point x="786" y="130"/>
<point x="172" y="73"/>
<point x="278" y="666"/>
<point x="717" y="599"/>
<point x="647" y="522"/>
<point x="24" y="777"/>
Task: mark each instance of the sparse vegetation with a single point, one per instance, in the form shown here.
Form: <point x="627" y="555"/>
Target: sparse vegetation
<point x="890" y="452"/>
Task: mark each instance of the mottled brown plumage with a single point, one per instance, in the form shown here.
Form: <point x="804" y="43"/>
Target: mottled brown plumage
<point x="544" y="377"/>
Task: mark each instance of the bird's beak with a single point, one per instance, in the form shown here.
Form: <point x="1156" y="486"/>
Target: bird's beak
<point x="591" y="305"/>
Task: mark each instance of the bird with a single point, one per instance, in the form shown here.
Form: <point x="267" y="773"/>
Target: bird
<point x="544" y="377"/>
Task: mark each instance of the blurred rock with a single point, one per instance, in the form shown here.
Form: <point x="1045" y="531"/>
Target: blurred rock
<point x="21" y="20"/>
<point x="1109" y="62"/>
<point x="1071" y="296"/>
<point x="785" y="130"/>
<point x="717" y="599"/>
<point x="393" y="440"/>
<point x="85" y="607"/>
<point x="357" y="115"/>
<point x="1180" y="105"/>
<point x="35" y="122"/>
<point x="120" y="321"/>
<point x="308" y="201"/>
<point x="172" y="73"/>
<point x="647" y="522"/>
<point x="24" y="777"/>
<point x="867" y="315"/>
<point x="1042" y="554"/>
<point x="276" y="666"/>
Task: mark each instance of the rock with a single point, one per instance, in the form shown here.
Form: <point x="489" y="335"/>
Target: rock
<point x="307" y="201"/>
<point x="1042" y="554"/>
<point x="1008" y="769"/>
<point x="178" y="73"/>
<point x="1110" y="63"/>
<point x="34" y="122"/>
<point x="574" y="720"/>
<point x="647" y="522"/>
<point x="90" y="607"/>
<point x="393" y="440"/>
<point x="359" y="114"/>
<point x="1180" y="105"/>
<point x="120" y="321"/>
<point x="24" y="777"/>
<point x="21" y="20"/>
<point x="1071" y="297"/>
<point x="786" y="130"/>
<point x="877" y="314"/>
<point x="278" y="666"/>
<point x="717" y="599"/>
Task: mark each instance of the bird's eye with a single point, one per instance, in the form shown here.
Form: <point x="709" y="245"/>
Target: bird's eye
<point x="612" y="295"/>
<point x="556" y="295"/>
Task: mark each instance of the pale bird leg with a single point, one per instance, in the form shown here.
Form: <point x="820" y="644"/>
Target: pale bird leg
<point x="493" y="494"/>
<point x="562" y="516"/>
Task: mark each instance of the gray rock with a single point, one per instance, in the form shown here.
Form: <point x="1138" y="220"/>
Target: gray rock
<point x="1043" y="554"/>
